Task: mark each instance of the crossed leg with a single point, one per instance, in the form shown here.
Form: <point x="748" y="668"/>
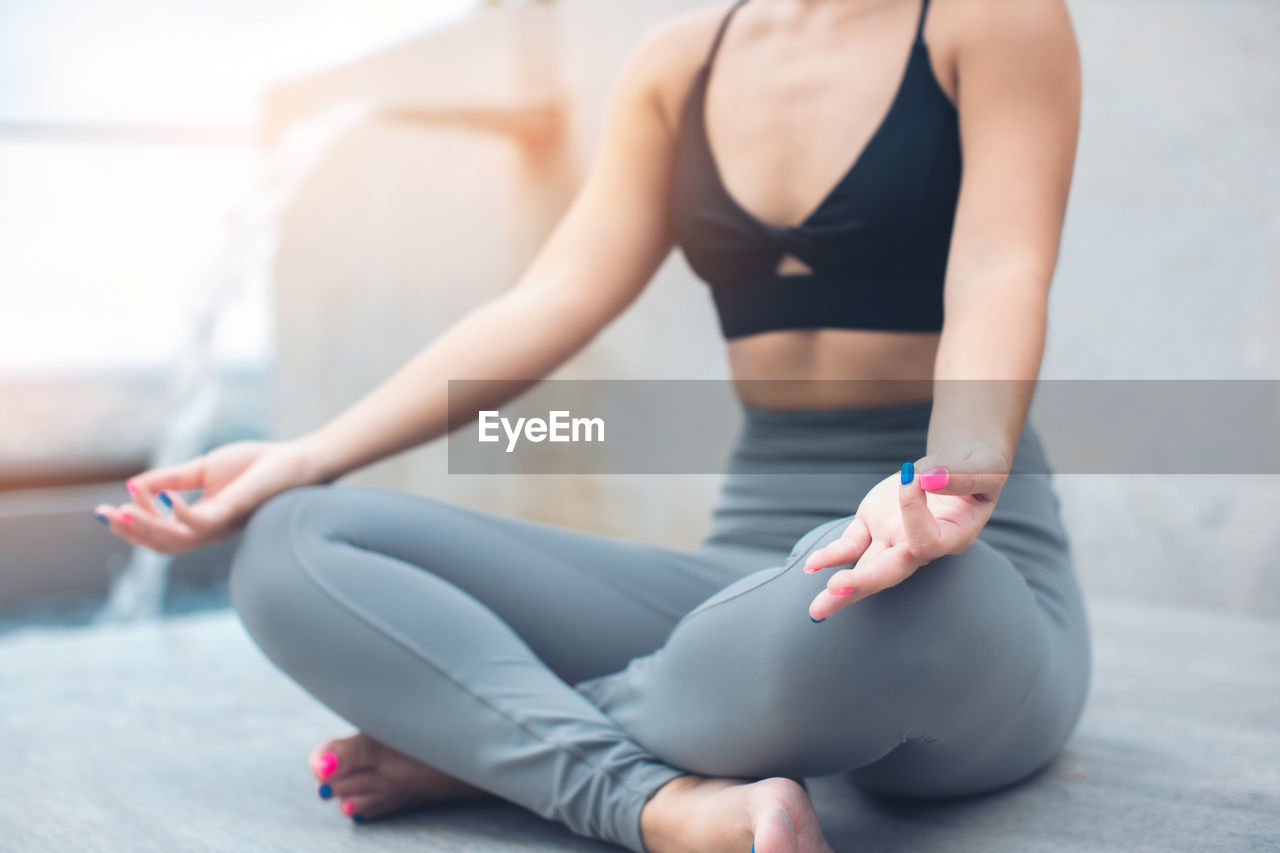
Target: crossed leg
<point x="576" y="675"/>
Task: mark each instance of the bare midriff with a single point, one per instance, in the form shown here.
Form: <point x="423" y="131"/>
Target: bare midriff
<point x="832" y="368"/>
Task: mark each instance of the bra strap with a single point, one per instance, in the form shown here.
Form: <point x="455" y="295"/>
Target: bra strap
<point x="924" y="13"/>
<point x="724" y="25"/>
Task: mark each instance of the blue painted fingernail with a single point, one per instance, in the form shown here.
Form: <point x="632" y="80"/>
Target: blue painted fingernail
<point x="811" y="619"/>
<point x="166" y="500"/>
<point x="357" y="818"/>
<point x="101" y="517"/>
<point x="325" y="792"/>
<point x="908" y="472"/>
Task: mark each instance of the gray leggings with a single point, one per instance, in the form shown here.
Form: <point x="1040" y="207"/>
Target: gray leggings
<point x="575" y="674"/>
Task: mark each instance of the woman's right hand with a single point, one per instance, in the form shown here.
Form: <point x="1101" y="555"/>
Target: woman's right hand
<point x="235" y="478"/>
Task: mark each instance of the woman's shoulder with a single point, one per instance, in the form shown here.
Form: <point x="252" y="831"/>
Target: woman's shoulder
<point x="970" y="33"/>
<point x="970" y="22"/>
<point x="686" y="38"/>
<point x="670" y="53"/>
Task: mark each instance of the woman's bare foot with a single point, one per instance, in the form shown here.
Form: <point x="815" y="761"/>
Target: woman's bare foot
<point x="693" y="813"/>
<point x="371" y="780"/>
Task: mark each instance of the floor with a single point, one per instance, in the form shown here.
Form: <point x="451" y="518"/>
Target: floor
<point x="180" y="736"/>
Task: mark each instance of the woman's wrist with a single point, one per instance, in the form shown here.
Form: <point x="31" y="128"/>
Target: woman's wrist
<point x="316" y="457"/>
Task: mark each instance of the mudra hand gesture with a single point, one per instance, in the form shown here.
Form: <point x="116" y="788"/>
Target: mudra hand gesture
<point x="933" y="507"/>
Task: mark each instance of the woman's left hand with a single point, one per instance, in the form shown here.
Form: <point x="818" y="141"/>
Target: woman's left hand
<point x="901" y="526"/>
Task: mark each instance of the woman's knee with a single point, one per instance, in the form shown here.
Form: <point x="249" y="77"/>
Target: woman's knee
<point x="962" y="624"/>
<point x="954" y="646"/>
<point x="963" y="634"/>
<point x="756" y="684"/>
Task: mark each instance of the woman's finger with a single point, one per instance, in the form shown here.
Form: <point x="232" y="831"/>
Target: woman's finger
<point x="958" y="535"/>
<point x="825" y="603"/>
<point x="158" y="532"/>
<point x="182" y="510"/>
<point x="207" y="527"/>
<point x="919" y="525"/>
<point x="185" y="476"/>
<point x="942" y="480"/>
<point x="887" y="568"/>
<point x="145" y="486"/>
<point x="849" y="548"/>
<point x="974" y="468"/>
<point x="214" y="513"/>
<point x="142" y="496"/>
<point x="120" y="521"/>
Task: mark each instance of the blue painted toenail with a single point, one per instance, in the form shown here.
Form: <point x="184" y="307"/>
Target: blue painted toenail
<point x="325" y="792"/>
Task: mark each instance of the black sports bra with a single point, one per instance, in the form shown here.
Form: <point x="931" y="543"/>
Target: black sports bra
<point x="875" y="248"/>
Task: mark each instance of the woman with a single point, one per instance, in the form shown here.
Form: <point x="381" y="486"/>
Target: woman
<point x="667" y="700"/>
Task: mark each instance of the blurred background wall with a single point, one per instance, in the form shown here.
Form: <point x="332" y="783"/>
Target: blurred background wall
<point x="1168" y="268"/>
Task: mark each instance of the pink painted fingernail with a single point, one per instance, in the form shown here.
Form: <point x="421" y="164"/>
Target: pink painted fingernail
<point x="809" y="571"/>
<point x="129" y="484"/>
<point x="126" y="516"/>
<point x="347" y="808"/>
<point x="844" y="590"/>
<point x="326" y="763"/>
<point x="934" y="478"/>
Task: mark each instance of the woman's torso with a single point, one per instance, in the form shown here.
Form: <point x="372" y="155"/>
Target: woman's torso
<point x="798" y="92"/>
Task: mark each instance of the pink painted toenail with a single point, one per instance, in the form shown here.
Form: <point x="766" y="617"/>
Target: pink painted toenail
<point x="347" y="808"/>
<point x="326" y="763"/>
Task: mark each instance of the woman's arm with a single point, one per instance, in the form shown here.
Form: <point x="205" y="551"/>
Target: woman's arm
<point x="1018" y="95"/>
<point x="596" y="262"/>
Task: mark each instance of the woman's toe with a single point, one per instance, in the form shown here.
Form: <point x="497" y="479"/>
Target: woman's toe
<point x="361" y="807"/>
<point x="335" y="758"/>
<point x="354" y="784"/>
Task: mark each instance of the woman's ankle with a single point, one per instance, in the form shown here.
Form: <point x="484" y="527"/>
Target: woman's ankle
<point x="660" y="818"/>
